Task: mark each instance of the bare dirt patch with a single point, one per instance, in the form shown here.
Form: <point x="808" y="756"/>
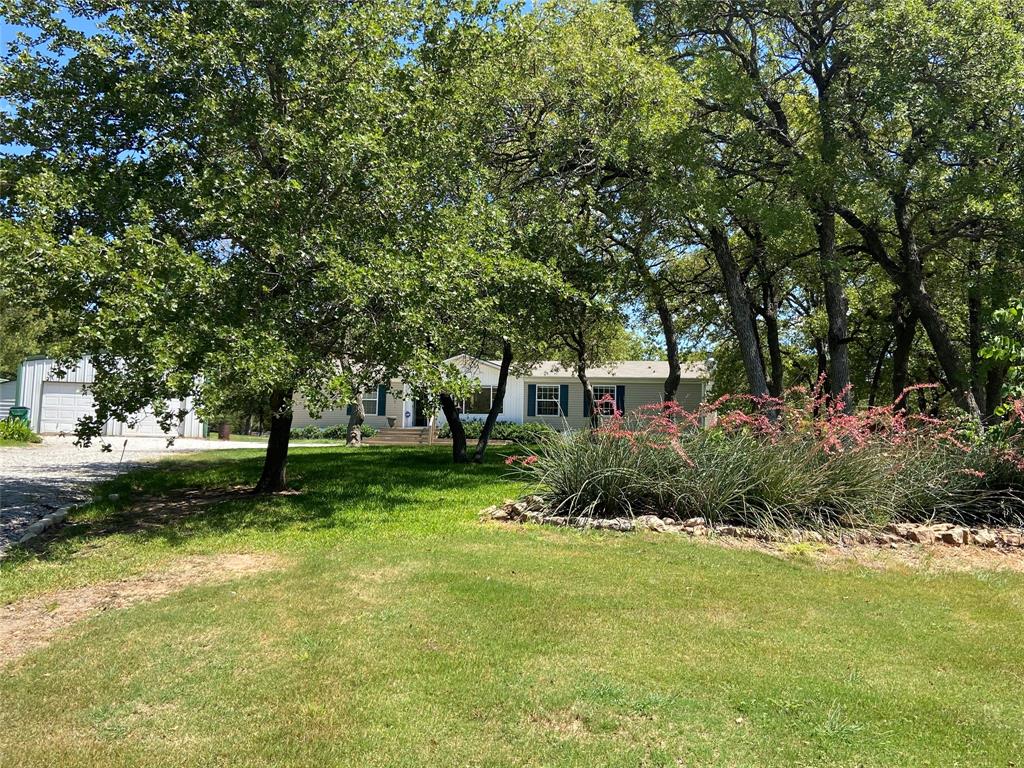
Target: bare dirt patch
<point x="563" y="723"/>
<point x="926" y="557"/>
<point x="31" y="623"/>
<point x="156" y="512"/>
<point x="920" y="546"/>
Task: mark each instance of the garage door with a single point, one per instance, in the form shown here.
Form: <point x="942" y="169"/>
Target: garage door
<point x="147" y="426"/>
<point x="63" y="404"/>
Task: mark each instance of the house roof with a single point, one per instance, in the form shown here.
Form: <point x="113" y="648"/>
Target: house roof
<point x="620" y="369"/>
<point x="623" y="369"/>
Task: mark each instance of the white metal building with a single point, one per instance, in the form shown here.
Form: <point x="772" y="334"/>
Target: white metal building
<point x="57" y="403"/>
<point x="8" y="395"/>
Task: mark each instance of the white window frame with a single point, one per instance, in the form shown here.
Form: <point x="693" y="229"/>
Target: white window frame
<point x="556" y="399"/>
<point x="365" y="400"/>
<point x="603" y="390"/>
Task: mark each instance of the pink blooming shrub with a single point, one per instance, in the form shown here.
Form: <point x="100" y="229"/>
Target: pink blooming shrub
<point x="796" y="460"/>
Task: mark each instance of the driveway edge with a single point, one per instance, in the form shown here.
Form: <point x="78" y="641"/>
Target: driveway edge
<point x="43" y="524"/>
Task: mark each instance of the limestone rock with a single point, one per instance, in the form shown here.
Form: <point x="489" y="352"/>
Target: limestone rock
<point x="651" y="523"/>
<point x="922" y="535"/>
<point x="955" y="537"/>
<point x="1012" y="539"/>
<point x="984" y="538"/>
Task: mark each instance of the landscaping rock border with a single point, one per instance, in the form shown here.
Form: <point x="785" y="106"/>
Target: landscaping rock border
<point x="533" y="509"/>
<point x="40" y="526"/>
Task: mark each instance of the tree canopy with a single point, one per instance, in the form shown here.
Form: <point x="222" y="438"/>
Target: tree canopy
<point x="238" y="201"/>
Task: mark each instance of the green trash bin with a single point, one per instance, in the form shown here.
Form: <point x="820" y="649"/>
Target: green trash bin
<point x="18" y="413"/>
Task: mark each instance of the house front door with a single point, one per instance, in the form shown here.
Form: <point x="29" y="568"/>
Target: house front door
<point x="420" y="419"/>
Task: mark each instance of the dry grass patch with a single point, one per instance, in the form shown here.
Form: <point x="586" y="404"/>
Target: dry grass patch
<point x="33" y="622"/>
<point x="929" y="557"/>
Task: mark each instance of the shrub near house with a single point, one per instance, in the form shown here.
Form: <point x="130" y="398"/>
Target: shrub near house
<point x="529" y="433"/>
<point x="17" y="431"/>
<point x="796" y="464"/>
<point x="333" y="432"/>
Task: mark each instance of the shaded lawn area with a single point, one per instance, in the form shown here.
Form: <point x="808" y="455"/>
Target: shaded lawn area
<point x="403" y="632"/>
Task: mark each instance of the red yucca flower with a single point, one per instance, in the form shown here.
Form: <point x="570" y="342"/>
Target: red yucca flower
<point x="805" y="414"/>
<point x="524" y="460"/>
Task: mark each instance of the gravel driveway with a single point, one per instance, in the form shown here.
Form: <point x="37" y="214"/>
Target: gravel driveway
<point x="38" y="479"/>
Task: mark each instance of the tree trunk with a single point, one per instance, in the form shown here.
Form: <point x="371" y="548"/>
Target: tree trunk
<point x="997" y="373"/>
<point x="911" y="278"/>
<point x="904" y="324"/>
<point x="835" y="308"/>
<point x="496" y="402"/>
<point x="668" y="328"/>
<point x="776" y="385"/>
<point x="354" y="433"/>
<point x="273" y="477"/>
<point x="821" y="358"/>
<point x="739" y="306"/>
<point x="974" y="333"/>
<point x="908" y="275"/>
<point x="589" y="406"/>
<point x="876" y="374"/>
<point x="451" y="415"/>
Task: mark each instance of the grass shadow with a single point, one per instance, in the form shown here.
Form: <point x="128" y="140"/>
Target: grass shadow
<point x="335" y="489"/>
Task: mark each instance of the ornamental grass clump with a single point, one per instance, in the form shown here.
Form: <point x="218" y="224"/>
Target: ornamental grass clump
<point x="793" y="462"/>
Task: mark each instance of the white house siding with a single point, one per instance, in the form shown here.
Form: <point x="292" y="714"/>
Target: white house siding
<point x="487" y="376"/>
<point x="637" y="393"/>
<point x="394" y="407"/>
<point x="511" y="408"/>
<point x="690" y="394"/>
<point x="56" y="403"/>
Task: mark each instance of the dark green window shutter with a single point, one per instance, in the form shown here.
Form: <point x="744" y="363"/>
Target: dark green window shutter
<point x="348" y="409"/>
<point x="563" y="399"/>
<point x="586" y="406"/>
<point x="531" y="399"/>
<point x="620" y="398"/>
<point x="382" y="400"/>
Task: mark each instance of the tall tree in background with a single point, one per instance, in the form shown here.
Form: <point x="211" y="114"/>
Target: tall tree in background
<point x="775" y="66"/>
<point x="578" y="121"/>
<point x="936" y="144"/>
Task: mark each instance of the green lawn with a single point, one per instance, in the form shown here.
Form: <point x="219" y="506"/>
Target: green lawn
<point x="401" y="631"/>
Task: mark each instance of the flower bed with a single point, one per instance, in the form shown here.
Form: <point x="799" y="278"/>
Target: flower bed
<point x="786" y="464"/>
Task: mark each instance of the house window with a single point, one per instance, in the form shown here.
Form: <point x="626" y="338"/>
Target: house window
<point x="480" y="401"/>
<point x="604" y="399"/>
<point x="370" y="402"/>
<point x="547" y="400"/>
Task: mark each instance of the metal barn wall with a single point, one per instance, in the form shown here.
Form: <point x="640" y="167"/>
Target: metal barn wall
<point x="8" y="397"/>
<point x="35" y="372"/>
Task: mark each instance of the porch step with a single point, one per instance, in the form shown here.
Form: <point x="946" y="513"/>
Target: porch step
<point x="400" y="436"/>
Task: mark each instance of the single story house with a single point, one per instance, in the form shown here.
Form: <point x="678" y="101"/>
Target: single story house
<point x="56" y="404"/>
<point x="548" y="393"/>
